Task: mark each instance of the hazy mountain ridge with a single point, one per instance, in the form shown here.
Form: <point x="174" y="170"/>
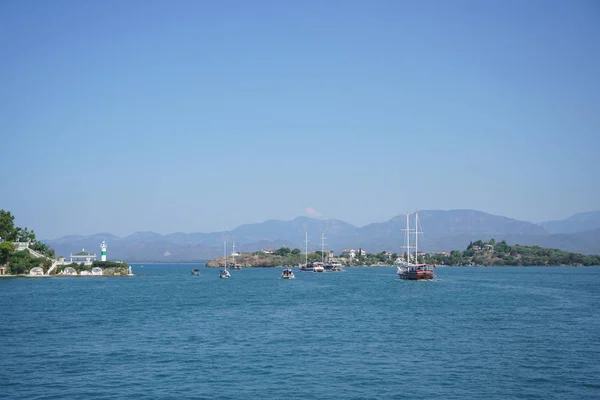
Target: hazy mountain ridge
<point x="443" y="231"/>
<point x="581" y="222"/>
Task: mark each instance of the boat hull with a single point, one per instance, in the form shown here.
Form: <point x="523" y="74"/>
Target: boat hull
<point x="416" y="275"/>
<point x="224" y="275"/>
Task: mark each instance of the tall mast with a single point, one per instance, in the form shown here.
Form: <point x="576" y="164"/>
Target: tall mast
<point x="416" y="237"/>
<point x="306" y="248"/>
<point x="407" y="237"/>
<point x="323" y="247"/>
<point x="233" y="254"/>
<point x="225" y="254"/>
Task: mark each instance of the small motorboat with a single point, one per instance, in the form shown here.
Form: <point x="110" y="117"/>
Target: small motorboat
<point x="195" y="272"/>
<point x="287" y="274"/>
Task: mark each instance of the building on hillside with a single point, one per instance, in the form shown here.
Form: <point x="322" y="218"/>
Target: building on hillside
<point x="351" y="253"/>
<point x="21" y="245"/>
<point x="267" y="251"/>
<point x="82" y="257"/>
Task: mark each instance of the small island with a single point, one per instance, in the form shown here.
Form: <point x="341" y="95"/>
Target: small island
<point x="266" y="258"/>
<point x="478" y="253"/>
<point x="494" y="253"/>
<point x="22" y="255"/>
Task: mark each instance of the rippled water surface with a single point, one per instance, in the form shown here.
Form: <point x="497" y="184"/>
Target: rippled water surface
<point x="474" y="333"/>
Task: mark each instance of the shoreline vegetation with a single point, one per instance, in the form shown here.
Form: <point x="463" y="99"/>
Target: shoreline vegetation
<point x="478" y="253"/>
<point x="20" y="253"/>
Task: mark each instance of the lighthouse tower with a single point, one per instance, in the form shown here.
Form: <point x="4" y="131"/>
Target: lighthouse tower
<point x="103" y="248"/>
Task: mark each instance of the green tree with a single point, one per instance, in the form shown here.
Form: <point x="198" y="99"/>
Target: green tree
<point x="314" y="257"/>
<point x="469" y="252"/>
<point x="296" y="252"/>
<point x="21" y="262"/>
<point x="43" y="248"/>
<point x="283" y="251"/>
<point x="6" y="249"/>
<point x="7" y="226"/>
<point x="24" y="235"/>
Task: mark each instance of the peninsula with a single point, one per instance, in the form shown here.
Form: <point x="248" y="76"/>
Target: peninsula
<point x="477" y="253"/>
<point x="22" y="255"/>
<point x="494" y="253"/>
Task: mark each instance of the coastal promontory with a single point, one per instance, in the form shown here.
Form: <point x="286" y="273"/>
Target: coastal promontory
<point x="22" y="255"/>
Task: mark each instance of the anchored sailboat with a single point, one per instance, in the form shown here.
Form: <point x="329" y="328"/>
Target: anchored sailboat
<point x="320" y="266"/>
<point x="414" y="271"/>
<point x="224" y="274"/>
<point x="233" y="254"/>
<point x="306" y="267"/>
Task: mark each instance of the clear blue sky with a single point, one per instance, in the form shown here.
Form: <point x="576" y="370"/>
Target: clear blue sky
<point x="196" y="116"/>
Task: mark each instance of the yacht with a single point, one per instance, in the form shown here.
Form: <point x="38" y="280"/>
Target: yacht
<point x="233" y="254"/>
<point x="416" y="271"/>
<point x="333" y="266"/>
<point x="306" y="267"/>
<point x="224" y="274"/>
<point x="318" y="267"/>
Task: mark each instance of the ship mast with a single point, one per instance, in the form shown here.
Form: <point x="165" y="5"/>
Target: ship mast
<point x="233" y="254"/>
<point x="323" y="248"/>
<point x="407" y="239"/>
<point x="306" y="249"/>
<point x="416" y="237"/>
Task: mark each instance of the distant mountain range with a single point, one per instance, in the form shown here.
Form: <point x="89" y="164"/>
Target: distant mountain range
<point x="443" y="231"/>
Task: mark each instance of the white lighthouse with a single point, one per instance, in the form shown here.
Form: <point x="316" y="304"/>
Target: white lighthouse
<point x="103" y="253"/>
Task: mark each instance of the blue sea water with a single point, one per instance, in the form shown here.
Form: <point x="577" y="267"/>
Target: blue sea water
<point x="473" y="333"/>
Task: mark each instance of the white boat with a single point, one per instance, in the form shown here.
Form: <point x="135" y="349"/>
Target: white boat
<point x="287" y="273"/>
<point x="233" y="254"/>
<point x="334" y="266"/>
<point x="318" y="267"/>
<point x="414" y="271"/>
<point x="224" y="274"/>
